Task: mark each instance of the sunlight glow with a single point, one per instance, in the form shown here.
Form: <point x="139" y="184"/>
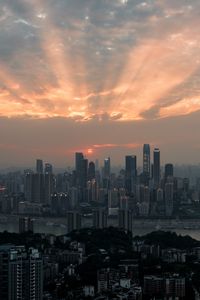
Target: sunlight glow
<point x="151" y="76"/>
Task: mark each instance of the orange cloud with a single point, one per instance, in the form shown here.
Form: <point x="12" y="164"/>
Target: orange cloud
<point x="68" y="80"/>
<point x="183" y="107"/>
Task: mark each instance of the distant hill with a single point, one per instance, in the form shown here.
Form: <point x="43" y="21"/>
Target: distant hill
<point x="167" y="239"/>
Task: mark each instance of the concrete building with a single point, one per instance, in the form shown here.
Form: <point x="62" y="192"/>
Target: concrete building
<point x="73" y="221"/>
<point x="125" y="219"/>
<point x="21" y="273"/>
<point x="26" y="225"/>
<point x="100" y="218"/>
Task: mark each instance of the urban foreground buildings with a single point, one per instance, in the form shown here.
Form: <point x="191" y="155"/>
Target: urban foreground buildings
<point x="21" y="273"/>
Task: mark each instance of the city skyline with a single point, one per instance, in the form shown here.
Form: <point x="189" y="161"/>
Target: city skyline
<point x="99" y="77"/>
<point x="148" y="159"/>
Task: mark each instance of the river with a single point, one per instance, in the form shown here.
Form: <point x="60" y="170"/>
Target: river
<point x="58" y="226"/>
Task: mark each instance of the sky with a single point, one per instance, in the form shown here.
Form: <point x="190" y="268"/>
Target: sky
<point x="99" y="76"/>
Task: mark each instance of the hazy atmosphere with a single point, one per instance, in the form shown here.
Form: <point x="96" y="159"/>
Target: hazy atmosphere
<point x="99" y="76"/>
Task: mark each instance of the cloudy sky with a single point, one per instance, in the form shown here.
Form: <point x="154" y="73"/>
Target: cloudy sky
<point x="99" y="76"/>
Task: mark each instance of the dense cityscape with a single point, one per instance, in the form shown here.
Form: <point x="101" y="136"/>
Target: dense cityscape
<point x="98" y="256"/>
<point x="150" y="191"/>
<point x="99" y="150"/>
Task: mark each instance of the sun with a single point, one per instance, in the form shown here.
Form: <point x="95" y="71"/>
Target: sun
<point x="89" y="151"/>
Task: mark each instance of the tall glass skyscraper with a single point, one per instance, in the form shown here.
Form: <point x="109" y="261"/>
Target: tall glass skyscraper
<point x="146" y="160"/>
<point x="130" y="172"/>
<point x="107" y="167"/>
<point x="169" y="170"/>
<point x="156" y="167"/>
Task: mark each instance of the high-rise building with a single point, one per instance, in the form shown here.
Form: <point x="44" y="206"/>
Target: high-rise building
<point x="146" y="161"/>
<point x="73" y="220"/>
<point x="37" y="189"/>
<point x="97" y="165"/>
<point x="83" y="180"/>
<point x="153" y="285"/>
<point x="107" y="167"/>
<point x="159" y="195"/>
<point x="39" y="166"/>
<point x="156" y="167"/>
<point x="48" y="169"/>
<point x="92" y="191"/>
<point x="21" y="273"/>
<point x="78" y="165"/>
<point x="102" y="280"/>
<point x="106" y="173"/>
<point x="99" y="218"/>
<point x="160" y="203"/>
<point x="130" y="173"/>
<point x="49" y="187"/>
<point x="25" y="224"/>
<point x="186" y="185"/>
<point x="125" y="219"/>
<point x="113" y="198"/>
<point x="78" y="158"/>
<point x="124" y="202"/>
<point x="84" y="173"/>
<point x="169" y="199"/>
<point x="172" y="287"/>
<point x="73" y="198"/>
<point x="60" y="203"/>
<point x="28" y="186"/>
<point x="81" y="165"/>
<point x="169" y="170"/>
<point x="91" y="171"/>
<point x="143" y="197"/>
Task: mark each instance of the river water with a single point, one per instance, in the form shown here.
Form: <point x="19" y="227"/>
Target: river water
<point x="58" y="226"/>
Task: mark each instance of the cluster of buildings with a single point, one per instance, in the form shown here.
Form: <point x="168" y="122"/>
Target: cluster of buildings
<point x="167" y="287"/>
<point x="53" y="272"/>
<point x="150" y="191"/>
<point x="123" y="281"/>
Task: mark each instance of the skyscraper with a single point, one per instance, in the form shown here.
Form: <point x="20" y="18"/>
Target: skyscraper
<point x="107" y="167"/>
<point x="78" y="158"/>
<point x="125" y="219"/>
<point x="78" y="165"/>
<point x="49" y="187"/>
<point x="169" y="170"/>
<point x="39" y="166"/>
<point x="48" y="169"/>
<point x="84" y="179"/>
<point x="28" y="186"/>
<point x="73" y="221"/>
<point x="169" y="199"/>
<point x="146" y="160"/>
<point x="37" y="189"/>
<point x="99" y="218"/>
<point x="106" y="173"/>
<point x="25" y="224"/>
<point x="81" y="165"/>
<point x="91" y="170"/>
<point x="130" y="172"/>
<point x="156" y="167"/>
<point x="92" y="191"/>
